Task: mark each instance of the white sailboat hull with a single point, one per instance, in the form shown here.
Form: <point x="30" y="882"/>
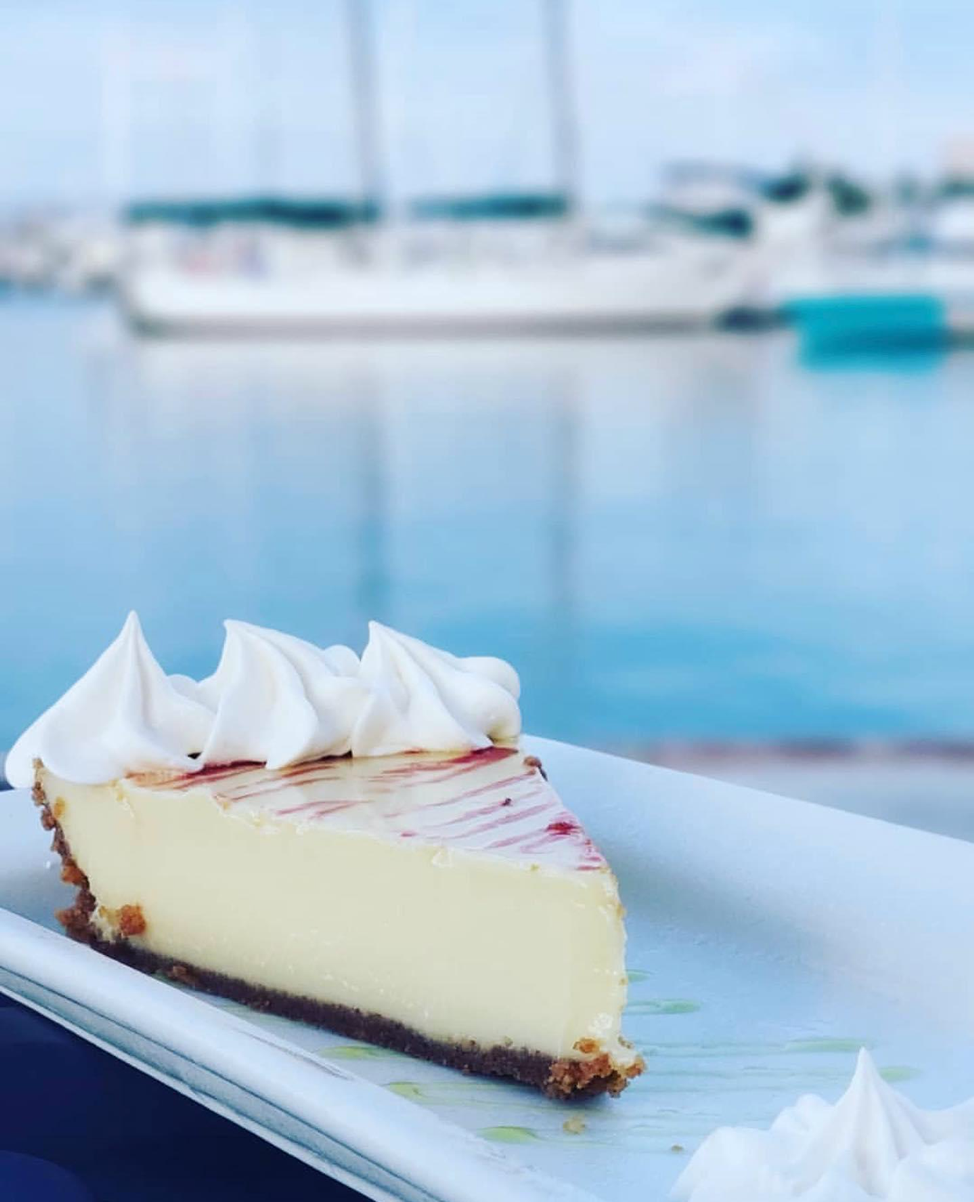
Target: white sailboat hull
<point x="572" y="295"/>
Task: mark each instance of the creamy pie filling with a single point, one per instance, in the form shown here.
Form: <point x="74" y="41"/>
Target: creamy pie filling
<point x="452" y="893"/>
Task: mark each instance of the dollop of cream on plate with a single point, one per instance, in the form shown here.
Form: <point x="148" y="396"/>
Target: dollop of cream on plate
<point x="871" y="1144"/>
<point x="274" y="699"/>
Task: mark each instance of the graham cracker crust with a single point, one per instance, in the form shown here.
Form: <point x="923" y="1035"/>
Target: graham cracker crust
<point x="568" y="1078"/>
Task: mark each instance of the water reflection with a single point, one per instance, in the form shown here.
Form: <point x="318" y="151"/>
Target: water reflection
<point x="689" y="537"/>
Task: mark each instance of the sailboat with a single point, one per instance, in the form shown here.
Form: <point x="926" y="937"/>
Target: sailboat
<point x="508" y="263"/>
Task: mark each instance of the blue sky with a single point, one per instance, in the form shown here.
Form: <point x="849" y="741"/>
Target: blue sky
<point x="148" y="96"/>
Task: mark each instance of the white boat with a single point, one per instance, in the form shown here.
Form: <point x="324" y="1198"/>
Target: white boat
<point x="465" y="264"/>
<point x="674" y="287"/>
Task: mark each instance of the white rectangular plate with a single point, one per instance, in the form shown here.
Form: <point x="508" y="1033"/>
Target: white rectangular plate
<point x="768" y="940"/>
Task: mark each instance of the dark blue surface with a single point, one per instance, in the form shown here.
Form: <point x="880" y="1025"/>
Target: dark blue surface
<point x="119" y="1136"/>
<point x="40" y="1180"/>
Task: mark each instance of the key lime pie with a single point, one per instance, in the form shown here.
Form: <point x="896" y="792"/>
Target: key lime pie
<point x="359" y="843"/>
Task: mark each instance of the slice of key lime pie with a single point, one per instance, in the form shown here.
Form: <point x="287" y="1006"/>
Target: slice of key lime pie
<point x="359" y="843"/>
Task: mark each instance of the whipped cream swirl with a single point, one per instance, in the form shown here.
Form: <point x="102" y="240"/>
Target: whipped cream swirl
<point x="419" y="697"/>
<point x="274" y="699"/>
<point x="278" y="700"/>
<point x="873" y="1143"/>
<point x="124" y="715"/>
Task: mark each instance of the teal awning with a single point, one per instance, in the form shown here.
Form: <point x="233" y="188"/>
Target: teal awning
<point x="202" y="213"/>
<point x="499" y="206"/>
<point x="726" y="223"/>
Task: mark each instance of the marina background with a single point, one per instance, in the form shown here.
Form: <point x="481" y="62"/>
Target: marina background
<point x="726" y="525"/>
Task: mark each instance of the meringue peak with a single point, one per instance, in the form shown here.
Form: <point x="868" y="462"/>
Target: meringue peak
<point x="123" y="715"/>
<point x="278" y="700"/>
<point x="421" y="698"/>
<point x="274" y="699"/>
<point x="872" y="1144"/>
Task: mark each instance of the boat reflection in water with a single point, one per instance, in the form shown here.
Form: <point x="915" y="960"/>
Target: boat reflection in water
<point x="633" y="523"/>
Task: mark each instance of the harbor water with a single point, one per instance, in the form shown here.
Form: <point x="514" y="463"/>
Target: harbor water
<point x="692" y="538"/>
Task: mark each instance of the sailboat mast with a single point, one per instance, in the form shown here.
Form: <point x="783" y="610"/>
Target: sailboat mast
<point x="116" y="116"/>
<point x="365" y="111"/>
<point x="561" y="98"/>
<point x="267" y="52"/>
